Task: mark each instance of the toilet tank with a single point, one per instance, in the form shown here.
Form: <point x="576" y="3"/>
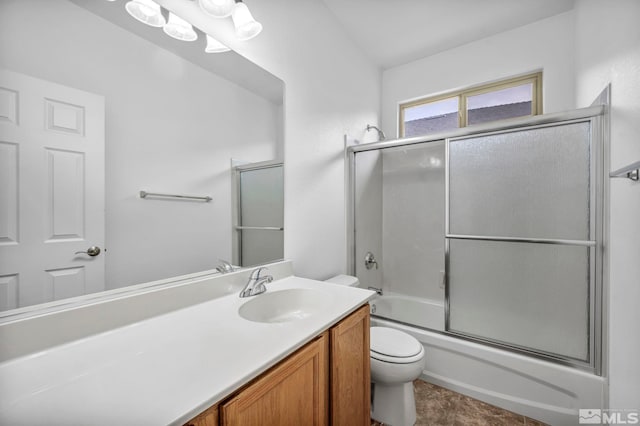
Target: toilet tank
<point x="348" y="280"/>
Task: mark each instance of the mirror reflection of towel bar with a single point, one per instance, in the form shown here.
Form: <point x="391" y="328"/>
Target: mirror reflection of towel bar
<point x="260" y="228"/>
<point x="632" y="171"/>
<point x="145" y="194"/>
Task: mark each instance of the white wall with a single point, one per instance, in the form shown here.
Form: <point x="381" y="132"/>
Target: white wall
<point x="546" y="45"/>
<point x="163" y="134"/>
<point x="608" y="51"/>
<point x="331" y="89"/>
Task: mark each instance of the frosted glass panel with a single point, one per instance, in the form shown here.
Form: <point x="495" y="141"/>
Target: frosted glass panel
<point x="528" y="183"/>
<point x="529" y="295"/>
<point x="262" y="197"/>
<point x="413" y="220"/>
<point x="399" y="217"/>
<point x="260" y="246"/>
<point x="368" y="216"/>
<point x="261" y="205"/>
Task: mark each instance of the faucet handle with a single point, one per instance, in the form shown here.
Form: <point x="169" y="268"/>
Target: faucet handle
<point x="224" y="266"/>
<point x="255" y="275"/>
<point x="370" y="260"/>
<point x="260" y="286"/>
<point x="255" y="285"/>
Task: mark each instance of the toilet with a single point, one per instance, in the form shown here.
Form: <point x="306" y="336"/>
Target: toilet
<point x="397" y="359"/>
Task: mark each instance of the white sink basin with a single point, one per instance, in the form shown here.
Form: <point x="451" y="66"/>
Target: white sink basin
<point x="284" y="305"/>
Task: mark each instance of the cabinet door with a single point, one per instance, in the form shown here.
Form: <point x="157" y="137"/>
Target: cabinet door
<point x="207" y="418"/>
<point x="351" y="370"/>
<point x="292" y="393"/>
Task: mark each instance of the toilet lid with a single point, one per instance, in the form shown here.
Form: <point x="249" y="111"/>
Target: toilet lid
<point x="394" y="343"/>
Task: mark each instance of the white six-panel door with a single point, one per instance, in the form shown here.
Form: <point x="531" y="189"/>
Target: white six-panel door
<point x="51" y="191"/>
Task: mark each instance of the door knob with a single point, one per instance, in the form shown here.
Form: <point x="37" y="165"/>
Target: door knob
<point x="91" y="251"/>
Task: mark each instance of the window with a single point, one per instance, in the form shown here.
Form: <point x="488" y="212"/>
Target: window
<point x="517" y="97"/>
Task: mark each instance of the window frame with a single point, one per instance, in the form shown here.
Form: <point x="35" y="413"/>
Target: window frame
<point x="536" y="99"/>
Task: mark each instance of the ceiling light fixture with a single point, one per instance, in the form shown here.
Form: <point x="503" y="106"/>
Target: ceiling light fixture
<point x="179" y="29"/>
<point x="146" y="11"/>
<point x="246" y="27"/>
<point x="217" y="8"/>
<point x="149" y="12"/>
<point x="214" y="46"/>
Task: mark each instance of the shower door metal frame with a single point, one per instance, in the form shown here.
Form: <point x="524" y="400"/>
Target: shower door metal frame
<point x="236" y="204"/>
<point x="596" y="223"/>
<point x="599" y="147"/>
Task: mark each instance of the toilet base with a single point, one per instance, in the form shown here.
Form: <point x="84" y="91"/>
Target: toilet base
<point x="393" y="405"/>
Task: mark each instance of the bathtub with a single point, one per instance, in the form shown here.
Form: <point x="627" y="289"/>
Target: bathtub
<point x="420" y="312"/>
<point x="529" y="386"/>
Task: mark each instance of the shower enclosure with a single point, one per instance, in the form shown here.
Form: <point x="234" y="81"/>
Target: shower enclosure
<point x="491" y="234"/>
<point x="258" y="213"/>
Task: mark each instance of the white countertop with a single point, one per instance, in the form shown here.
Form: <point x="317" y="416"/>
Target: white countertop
<point x="163" y="370"/>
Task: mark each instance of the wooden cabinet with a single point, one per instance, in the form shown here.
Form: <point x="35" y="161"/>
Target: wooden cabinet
<point x="350" y="370"/>
<point x="208" y="418"/>
<point x="292" y="393"/>
<point x="325" y="382"/>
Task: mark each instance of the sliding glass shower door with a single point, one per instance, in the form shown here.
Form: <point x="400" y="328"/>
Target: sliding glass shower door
<point x="399" y="220"/>
<point x="493" y="234"/>
<point x="259" y="218"/>
<point x="521" y="239"/>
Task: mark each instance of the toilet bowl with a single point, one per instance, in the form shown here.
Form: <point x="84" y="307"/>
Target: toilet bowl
<point x="397" y="359"/>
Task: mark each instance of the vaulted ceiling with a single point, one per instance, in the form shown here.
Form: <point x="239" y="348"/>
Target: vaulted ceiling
<point x="394" y="32"/>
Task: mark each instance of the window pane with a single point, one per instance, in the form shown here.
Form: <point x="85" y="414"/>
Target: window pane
<point x="500" y="104"/>
<point x="431" y="117"/>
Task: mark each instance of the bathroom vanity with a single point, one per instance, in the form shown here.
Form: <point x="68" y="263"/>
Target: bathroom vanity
<point x="191" y="351"/>
<point x="324" y="382"/>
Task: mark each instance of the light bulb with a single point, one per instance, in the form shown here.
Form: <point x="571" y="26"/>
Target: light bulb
<point x="246" y="26"/>
<point x="214" y="46"/>
<point x="146" y="11"/>
<point x="179" y="29"/>
<point x="217" y="8"/>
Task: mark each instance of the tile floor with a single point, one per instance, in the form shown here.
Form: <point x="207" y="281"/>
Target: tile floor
<point x="437" y="406"/>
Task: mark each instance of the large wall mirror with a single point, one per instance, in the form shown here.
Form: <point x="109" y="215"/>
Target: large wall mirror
<point x="96" y="107"/>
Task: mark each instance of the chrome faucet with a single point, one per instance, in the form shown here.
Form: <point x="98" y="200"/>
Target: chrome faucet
<point x="224" y="267"/>
<point x="256" y="282"/>
<point x="376" y="289"/>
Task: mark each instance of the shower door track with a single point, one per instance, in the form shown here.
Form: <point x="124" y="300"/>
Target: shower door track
<point x="585" y="243"/>
<point x="512" y="123"/>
